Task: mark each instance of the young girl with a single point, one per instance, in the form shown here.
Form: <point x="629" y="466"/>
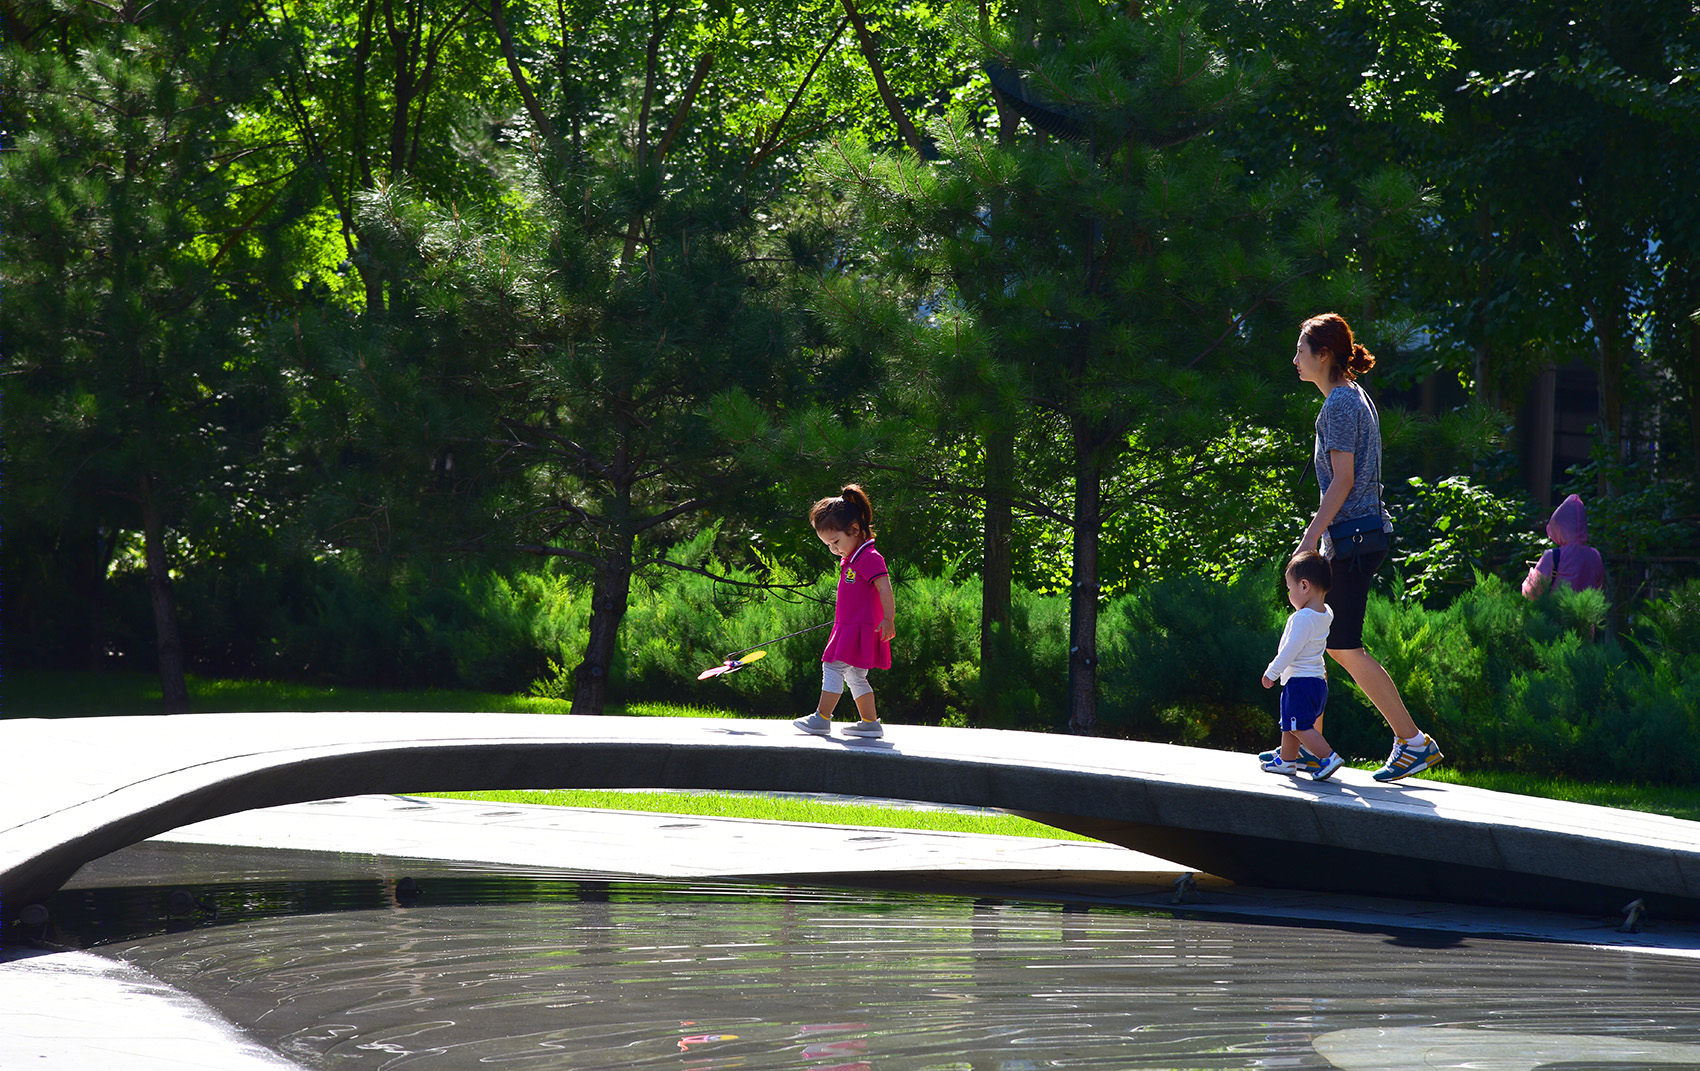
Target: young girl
<point x="864" y="620"/>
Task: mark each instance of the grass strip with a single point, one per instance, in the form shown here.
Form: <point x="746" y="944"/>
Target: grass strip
<point x="774" y="809"/>
<point x="1676" y="801"/>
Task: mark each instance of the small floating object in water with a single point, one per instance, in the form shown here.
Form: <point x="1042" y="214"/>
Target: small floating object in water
<point x="703" y="1039"/>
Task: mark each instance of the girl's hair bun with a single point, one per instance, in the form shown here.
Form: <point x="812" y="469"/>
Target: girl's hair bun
<point x="1347" y="357"/>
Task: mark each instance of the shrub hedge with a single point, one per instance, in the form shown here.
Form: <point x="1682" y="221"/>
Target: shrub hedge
<point x="1503" y="682"/>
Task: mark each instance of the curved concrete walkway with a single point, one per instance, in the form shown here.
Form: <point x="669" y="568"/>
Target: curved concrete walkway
<point x="75" y="789"/>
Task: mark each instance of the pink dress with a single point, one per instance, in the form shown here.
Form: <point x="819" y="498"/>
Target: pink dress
<point x="855" y="621"/>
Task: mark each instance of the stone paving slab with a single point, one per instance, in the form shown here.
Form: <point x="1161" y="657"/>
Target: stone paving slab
<point x="654" y="844"/>
<point x="105" y="782"/>
<point x="77" y="1011"/>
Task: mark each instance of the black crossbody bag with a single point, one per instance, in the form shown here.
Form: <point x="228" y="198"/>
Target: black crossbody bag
<point x="1360" y="535"/>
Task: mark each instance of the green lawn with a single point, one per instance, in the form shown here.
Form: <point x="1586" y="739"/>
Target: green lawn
<point x="1678" y="801"/>
<point x="31" y="694"/>
<point x="775" y="809"/>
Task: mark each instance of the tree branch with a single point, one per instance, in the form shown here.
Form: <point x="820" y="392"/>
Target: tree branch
<point x="906" y="129"/>
<point x="771" y="141"/>
<point x="684" y="108"/>
<point x="756" y="584"/>
<point x="544" y="127"/>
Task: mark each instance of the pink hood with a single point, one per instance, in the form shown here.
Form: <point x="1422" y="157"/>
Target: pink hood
<point x="1569" y="522"/>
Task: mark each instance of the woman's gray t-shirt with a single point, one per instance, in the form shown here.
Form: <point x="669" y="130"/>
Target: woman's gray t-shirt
<point x="1348" y="421"/>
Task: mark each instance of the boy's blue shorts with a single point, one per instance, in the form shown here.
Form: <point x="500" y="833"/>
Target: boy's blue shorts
<point x="1302" y="699"/>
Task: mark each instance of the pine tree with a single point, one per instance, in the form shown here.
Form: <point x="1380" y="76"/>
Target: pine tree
<point x="560" y="371"/>
<point x="1117" y="264"/>
<point x="134" y="239"/>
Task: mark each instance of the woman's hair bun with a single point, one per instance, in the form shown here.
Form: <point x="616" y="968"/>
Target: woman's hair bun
<point x="1362" y="359"/>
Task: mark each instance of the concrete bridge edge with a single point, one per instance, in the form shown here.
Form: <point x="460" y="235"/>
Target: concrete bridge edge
<point x="1308" y="842"/>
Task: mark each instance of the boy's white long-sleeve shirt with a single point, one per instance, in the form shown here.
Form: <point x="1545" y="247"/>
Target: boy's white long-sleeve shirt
<point x="1302" y="643"/>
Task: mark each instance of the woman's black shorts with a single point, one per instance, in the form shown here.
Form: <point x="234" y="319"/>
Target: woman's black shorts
<point x="1348" y="596"/>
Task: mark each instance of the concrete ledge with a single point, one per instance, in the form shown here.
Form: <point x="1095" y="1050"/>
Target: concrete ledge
<point x="103" y="783"/>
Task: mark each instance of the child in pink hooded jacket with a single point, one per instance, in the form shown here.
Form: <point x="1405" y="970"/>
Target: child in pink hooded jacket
<point x="1572" y="562"/>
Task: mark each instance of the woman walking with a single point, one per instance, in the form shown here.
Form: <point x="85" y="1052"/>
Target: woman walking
<point x="1351" y="527"/>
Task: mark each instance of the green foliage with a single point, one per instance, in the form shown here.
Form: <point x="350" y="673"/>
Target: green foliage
<point x="1512" y="684"/>
<point x="427" y="625"/>
<point x="1504" y="682"/>
<point x="1671" y="625"/>
<point x="1456" y="528"/>
<point x="186" y="263"/>
<point x="1184" y="658"/>
<point x="1092" y="296"/>
<point x="1647" y="518"/>
<point x="138" y="257"/>
<point x="681" y="624"/>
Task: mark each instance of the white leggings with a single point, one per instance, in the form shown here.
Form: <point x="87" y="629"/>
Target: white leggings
<point x="834" y="674"/>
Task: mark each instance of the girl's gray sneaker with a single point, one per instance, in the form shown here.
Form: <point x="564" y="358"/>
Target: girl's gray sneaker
<point x="868" y="729"/>
<point x="814" y="723"/>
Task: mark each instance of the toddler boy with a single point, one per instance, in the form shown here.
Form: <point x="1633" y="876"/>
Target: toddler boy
<point x="1304" y="679"/>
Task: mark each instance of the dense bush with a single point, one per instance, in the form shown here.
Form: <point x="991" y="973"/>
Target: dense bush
<point x="452" y="626"/>
<point x="684" y="623"/>
<point x="1183" y="660"/>
<point x="1506" y="683"/>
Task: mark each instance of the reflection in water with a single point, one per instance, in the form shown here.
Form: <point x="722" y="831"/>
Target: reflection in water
<point x="532" y="972"/>
<point x="1418" y="1049"/>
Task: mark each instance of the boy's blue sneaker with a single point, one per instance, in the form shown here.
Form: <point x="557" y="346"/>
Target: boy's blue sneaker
<point x="864" y="727"/>
<point x="1281" y="766"/>
<point x="1308" y="763"/>
<point x="1407" y="759"/>
<point x="1325" y="767"/>
<point x="814" y="723"/>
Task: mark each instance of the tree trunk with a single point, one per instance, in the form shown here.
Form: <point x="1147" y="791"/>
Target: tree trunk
<point x="1611" y="350"/>
<point x="609" y="598"/>
<point x="996" y="570"/>
<point x="1083" y="590"/>
<point x="504" y="37"/>
<point x="1691" y="381"/>
<point x="1482" y="363"/>
<point x="173" y="689"/>
<point x="1482" y="351"/>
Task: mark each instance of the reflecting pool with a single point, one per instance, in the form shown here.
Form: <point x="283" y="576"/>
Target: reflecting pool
<point x="509" y="970"/>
